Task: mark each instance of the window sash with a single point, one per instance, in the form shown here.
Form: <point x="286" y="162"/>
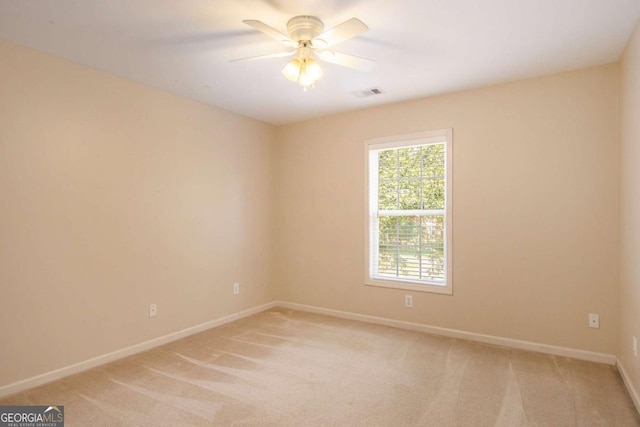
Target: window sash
<point x="416" y="263"/>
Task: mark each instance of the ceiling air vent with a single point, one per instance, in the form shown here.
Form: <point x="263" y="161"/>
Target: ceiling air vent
<point x="368" y="92"/>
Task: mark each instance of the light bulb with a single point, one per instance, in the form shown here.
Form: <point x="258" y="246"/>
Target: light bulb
<point x="310" y="72"/>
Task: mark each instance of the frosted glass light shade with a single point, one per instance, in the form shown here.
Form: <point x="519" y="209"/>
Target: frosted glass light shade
<point x="306" y="71"/>
<point x="291" y="71"/>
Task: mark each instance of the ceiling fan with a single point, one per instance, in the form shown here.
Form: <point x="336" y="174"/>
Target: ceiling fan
<point x="309" y="42"/>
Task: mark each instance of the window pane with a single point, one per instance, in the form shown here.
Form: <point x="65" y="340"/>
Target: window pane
<point x="412" y="178"/>
<point x="432" y="247"/>
<point x="410" y="194"/>
<point x="388" y="164"/>
<point x="409" y="161"/>
<point x="408" y="230"/>
<point x="433" y="160"/>
<point x="387" y="261"/>
<point x="388" y="231"/>
<point x="433" y="193"/>
<point x="388" y="195"/>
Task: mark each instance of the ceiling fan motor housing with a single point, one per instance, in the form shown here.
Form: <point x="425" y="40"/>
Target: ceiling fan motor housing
<point x="303" y="28"/>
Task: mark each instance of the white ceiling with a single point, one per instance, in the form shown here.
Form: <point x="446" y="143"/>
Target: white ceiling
<point x="422" y="47"/>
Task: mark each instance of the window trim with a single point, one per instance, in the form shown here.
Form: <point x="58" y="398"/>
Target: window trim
<point x="420" y="138"/>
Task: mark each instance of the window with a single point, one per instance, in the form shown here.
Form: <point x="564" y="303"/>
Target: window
<point x="409" y="212"/>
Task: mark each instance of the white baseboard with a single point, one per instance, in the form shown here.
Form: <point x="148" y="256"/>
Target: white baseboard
<point x="22" y="385"/>
<point x="590" y="356"/>
<point x="627" y="382"/>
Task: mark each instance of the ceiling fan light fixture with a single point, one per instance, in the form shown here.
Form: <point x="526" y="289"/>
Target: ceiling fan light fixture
<point x="310" y="40"/>
<point x="304" y="71"/>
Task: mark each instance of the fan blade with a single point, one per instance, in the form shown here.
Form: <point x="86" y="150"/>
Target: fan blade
<point x="271" y="32"/>
<point x="342" y="32"/>
<point x="271" y="55"/>
<point x="346" y="60"/>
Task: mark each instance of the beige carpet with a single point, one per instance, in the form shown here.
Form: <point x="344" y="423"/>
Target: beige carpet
<point x="288" y="368"/>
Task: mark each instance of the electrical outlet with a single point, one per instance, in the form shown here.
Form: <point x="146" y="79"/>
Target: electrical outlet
<point x="153" y="310"/>
<point x="236" y="288"/>
<point x="635" y="347"/>
<point x="594" y="320"/>
<point x="408" y="301"/>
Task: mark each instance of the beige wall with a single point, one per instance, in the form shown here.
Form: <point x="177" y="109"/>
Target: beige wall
<point x="535" y="210"/>
<point x="630" y="207"/>
<point x="114" y="195"/>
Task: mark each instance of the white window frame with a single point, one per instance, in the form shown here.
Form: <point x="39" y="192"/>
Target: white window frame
<point x="371" y="210"/>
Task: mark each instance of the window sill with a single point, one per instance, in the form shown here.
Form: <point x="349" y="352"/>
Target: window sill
<point x="411" y="286"/>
